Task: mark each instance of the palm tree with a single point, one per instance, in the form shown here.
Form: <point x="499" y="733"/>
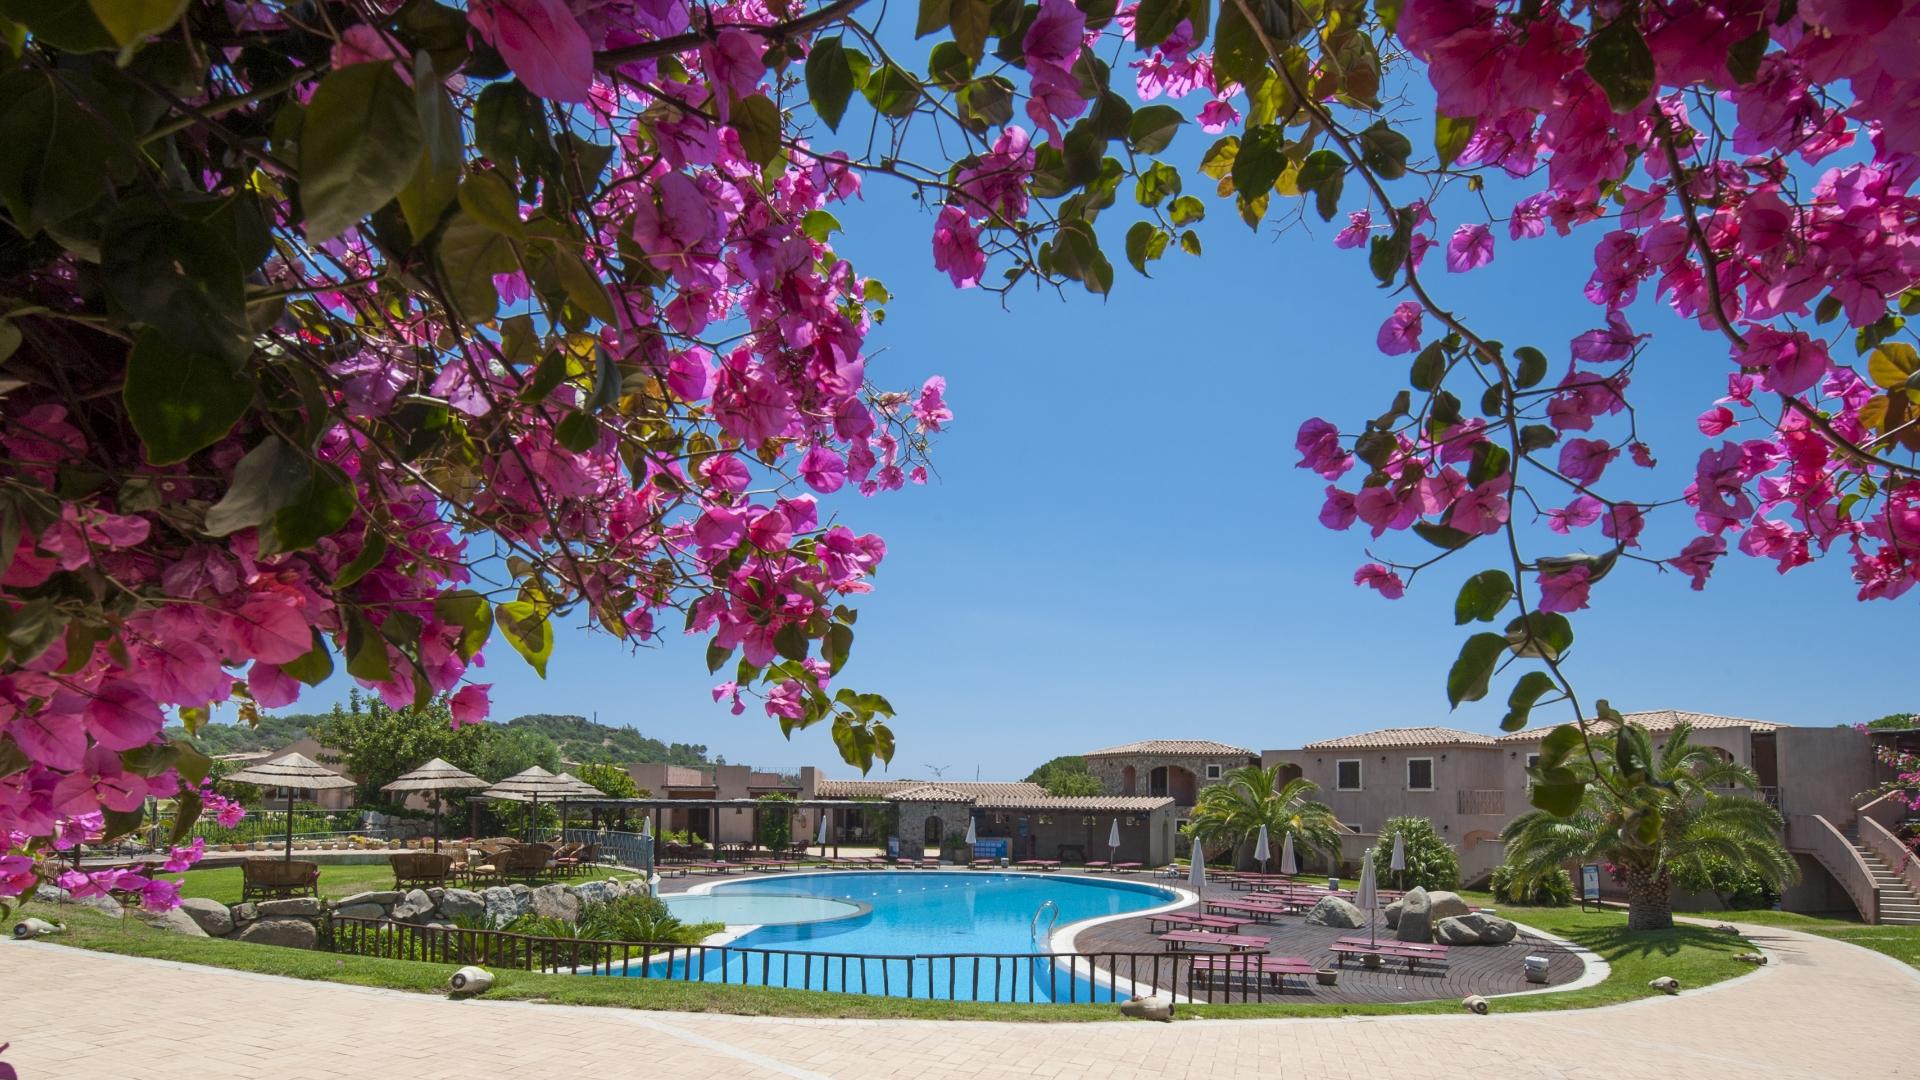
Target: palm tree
<point x="1649" y="819"/>
<point x="1231" y="812"/>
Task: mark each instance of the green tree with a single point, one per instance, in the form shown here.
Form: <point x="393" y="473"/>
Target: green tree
<point x="612" y="780"/>
<point x="511" y="750"/>
<point x="377" y="744"/>
<point x="1231" y="812"/>
<point x="1066" y="775"/>
<point x="1899" y="721"/>
<point x="776" y="821"/>
<point x="1431" y="862"/>
<point x="1652" y="815"/>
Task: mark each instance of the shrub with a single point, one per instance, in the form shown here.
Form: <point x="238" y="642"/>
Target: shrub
<point x="1431" y="862"/>
<point x="1552" y="890"/>
<point x="1737" y="888"/>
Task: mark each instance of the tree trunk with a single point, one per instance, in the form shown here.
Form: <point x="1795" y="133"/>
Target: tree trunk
<point x="1649" y="899"/>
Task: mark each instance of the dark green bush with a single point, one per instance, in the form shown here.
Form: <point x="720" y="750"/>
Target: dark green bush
<point x="1431" y="862"/>
<point x="1553" y="890"/>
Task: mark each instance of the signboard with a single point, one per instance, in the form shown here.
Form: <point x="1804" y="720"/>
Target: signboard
<point x="994" y="847"/>
<point x="893" y="847"/>
<point x="1589" y="883"/>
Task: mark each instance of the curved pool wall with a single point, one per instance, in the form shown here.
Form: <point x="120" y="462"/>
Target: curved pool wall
<point x="760" y="909"/>
<point x="919" y="936"/>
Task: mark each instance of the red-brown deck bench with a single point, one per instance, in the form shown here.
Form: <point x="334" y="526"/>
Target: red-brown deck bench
<point x="1188" y="920"/>
<point x="1180" y="939"/>
<point x="1252" y="909"/>
<point x="1125" y="867"/>
<point x="1412" y="952"/>
<point x="1248" y="966"/>
<point x="1040" y="864"/>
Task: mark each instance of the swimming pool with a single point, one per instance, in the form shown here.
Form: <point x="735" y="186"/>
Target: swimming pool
<point x="759" y="909"/>
<point x="914" y="925"/>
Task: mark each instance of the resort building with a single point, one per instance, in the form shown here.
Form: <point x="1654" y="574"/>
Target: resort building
<point x="1174" y="768"/>
<point x="708" y="783"/>
<point x="1020" y="820"/>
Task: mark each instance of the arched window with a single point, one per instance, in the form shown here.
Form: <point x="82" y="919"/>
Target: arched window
<point x="933" y="831"/>
<point x="1129" y="780"/>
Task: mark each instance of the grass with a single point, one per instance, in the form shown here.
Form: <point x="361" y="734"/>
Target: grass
<point x="1900" y="942"/>
<point x="1695" y="955"/>
<point x="336" y="881"/>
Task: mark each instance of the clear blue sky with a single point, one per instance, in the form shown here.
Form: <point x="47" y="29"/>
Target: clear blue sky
<point x="1117" y="545"/>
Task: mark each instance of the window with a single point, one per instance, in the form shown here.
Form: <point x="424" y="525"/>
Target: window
<point x="1346" y="774"/>
<point x="1419" y="774"/>
<point x="1533" y="761"/>
<point x="1353" y="826"/>
<point x="1213" y="772"/>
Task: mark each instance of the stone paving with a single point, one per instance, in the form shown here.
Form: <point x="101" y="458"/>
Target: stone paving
<point x="1822" y="1009"/>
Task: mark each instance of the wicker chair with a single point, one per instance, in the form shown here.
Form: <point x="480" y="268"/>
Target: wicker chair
<point x="520" y="862"/>
<point x="421" y="869"/>
<point x="274" y="879"/>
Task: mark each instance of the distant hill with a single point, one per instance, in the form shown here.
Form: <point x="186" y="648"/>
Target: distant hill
<point x="581" y="740"/>
<point x="232" y="738"/>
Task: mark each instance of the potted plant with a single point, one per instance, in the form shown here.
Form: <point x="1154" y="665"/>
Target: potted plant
<point x="1326" y="976"/>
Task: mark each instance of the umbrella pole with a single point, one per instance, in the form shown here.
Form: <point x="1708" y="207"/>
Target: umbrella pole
<point x="436" y="824"/>
<point x="289" y="856"/>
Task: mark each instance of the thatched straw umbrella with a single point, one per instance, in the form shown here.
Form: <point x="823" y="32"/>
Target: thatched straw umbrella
<point x="436" y="776"/>
<point x="579" y="788"/>
<point x="295" y="772"/>
<point x="531" y="785"/>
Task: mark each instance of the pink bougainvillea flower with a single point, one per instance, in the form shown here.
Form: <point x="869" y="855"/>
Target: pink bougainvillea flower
<point x="470" y="704"/>
<point x="1382" y="580"/>
<point x="1578" y="514"/>
<point x="1359" y="224"/>
<point x="541" y="41"/>
<point x="1401" y="332"/>
<point x="956" y="248"/>
<point x="1583" y="460"/>
<point x="1470" y="248"/>
<point x="824" y="470"/>
<point x="1790" y="363"/>
<point x="1483" y="509"/>
<point x="930" y="404"/>
<point x="1566" y="590"/>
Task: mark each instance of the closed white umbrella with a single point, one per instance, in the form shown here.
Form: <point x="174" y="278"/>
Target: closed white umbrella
<point x="1113" y="843"/>
<point x="1288" y="864"/>
<point x="1369" y="897"/>
<point x="822" y="838"/>
<point x="1399" y="861"/>
<point x="973" y="837"/>
<point x="1197" y="872"/>
<point x="1261" y="852"/>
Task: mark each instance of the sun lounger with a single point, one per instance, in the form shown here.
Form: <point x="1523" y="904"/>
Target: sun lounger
<point x="1040" y="864"/>
<point x="1095" y="866"/>
<point x="1192" y="921"/>
<point x="1124" y="867"/>
<point x="1180" y="939"/>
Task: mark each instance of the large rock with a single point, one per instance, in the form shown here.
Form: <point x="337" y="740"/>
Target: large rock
<point x="105" y="905"/>
<point x="1447" y="905"/>
<point x="287" y="932"/>
<point x="436" y="894"/>
<point x="416" y="906"/>
<point x="245" y="913"/>
<point x="360" y="911"/>
<point x="1391" y="913"/>
<point x="462" y="904"/>
<point x="596" y="892"/>
<point x="212" y="915"/>
<point x="555" y="902"/>
<point x="1416" y="916"/>
<point x="385" y="898"/>
<point x="1335" y="912"/>
<point x="177" y="921"/>
<point x="502" y="905"/>
<point x="1474" y="929"/>
<point x="305" y="907"/>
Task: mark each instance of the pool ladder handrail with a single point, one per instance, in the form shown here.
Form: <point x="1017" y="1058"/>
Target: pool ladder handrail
<point x="1052" y="912"/>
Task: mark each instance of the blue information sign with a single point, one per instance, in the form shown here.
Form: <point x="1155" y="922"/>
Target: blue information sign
<point x="993" y="847"/>
<point x="1590" y="882"/>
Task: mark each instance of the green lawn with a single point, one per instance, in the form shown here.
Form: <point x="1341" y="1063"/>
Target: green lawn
<point x="1900" y="942"/>
<point x="336" y="880"/>
<point x="1695" y="955"/>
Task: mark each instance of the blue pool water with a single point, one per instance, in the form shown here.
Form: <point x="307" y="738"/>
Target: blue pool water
<point x="913" y="923"/>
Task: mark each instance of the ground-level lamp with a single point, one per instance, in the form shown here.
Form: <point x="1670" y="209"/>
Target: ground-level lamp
<point x="1261" y="851"/>
<point x="530" y="785"/>
<point x="435" y="776"/>
<point x="295" y="772"/>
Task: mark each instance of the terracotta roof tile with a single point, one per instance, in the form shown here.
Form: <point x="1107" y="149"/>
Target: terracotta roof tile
<point x="1174" y="747"/>
<point x="1660" y="720"/>
<point x="1388" y="738"/>
<point x="1086" y="804"/>
<point x="875" y="789"/>
<point x="929" y="793"/>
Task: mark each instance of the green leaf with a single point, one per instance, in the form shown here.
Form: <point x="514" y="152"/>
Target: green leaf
<point x="322" y="506"/>
<point x="436" y="176"/>
<point x="1186" y="210"/>
<point x="133" y="21"/>
<point x="757" y="119"/>
<point x="1545" y="634"/>
<point x="578" y="432"/>
<point x="526" y="628"/>
<point x="1429" y="367"/>
<point x="933" y="16"/>
<point x="178" y="401"/>
<point x="579" y="282"/>
<point x="1237" y="55"/>
<point x="60" y="158"/>
<point x="1156" y="20"/>
<point x="1325" y="174"/>
<point x="790" y="641"/>
<point x="947" y="64"/>
<point x="717" y="655"/>
<point x="316" y="666"/>
<point x="1467" y="680"/>
<point x="1891" y="365"/>
<point x="1145" y="243"/>
<point x="1442" y="536"/>
<point x="191" y="764"/>
<point x="1385" y="151"/>
<point x="1559" y="798"/>
<point x="266" y="479"/>
<point x="818" y="225"/>
<point x="179" y="276"/>
<point x="829" y="80"/>
<point x="366" y="650"/>
<point x="1490" y="460"/>
<point x="1482" y="597"/>
<point x="892" y="92"/>
<point x="1525" y="694"/>
<point x="67" y="25"/>
<point x="470" y="254"/>
<point x="359" y="144"/>
<point x="970" y="22"/>
<point x="1156" y="184"/>
<point x="1743" y="56"/>
<point x="488" y="199"/>
<point x="1152" y="128"/>
<point x="836" y="647"/>
<point x="1619" y="60"/>
<point x="1533" y="366"/>
<point x="469" y="611"/>
<point x="1261" y="159"/>
<point x="1560" y="744"/>
<point x="1450" y="136"/>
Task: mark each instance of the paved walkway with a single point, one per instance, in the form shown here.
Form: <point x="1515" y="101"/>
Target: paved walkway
<point x="1822" y="1009"/>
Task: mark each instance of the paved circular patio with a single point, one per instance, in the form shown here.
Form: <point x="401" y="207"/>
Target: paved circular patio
<point x="1822" y="1009"/>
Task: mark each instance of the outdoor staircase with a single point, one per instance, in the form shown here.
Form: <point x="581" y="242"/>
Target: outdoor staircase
<point x="1897" y="903"/>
